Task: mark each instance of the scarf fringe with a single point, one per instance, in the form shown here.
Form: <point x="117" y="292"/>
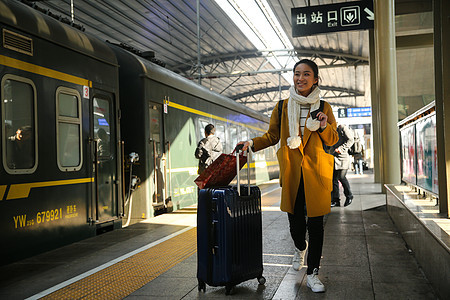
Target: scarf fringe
<point x="294" y="142"/>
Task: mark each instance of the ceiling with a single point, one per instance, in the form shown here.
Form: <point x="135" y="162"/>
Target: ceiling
<point x="230" y="63"/>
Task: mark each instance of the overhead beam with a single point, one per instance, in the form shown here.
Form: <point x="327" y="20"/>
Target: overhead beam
<point x="406" y="42"/>
<point x="338" y="59"/>
<point x="252" y="73"/>
<point x="347" y="92"/>
<point x="283" y="52"/>
<point x="403" y="7"/>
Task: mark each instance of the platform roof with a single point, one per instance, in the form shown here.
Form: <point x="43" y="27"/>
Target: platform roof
<point x="243" y="66"/>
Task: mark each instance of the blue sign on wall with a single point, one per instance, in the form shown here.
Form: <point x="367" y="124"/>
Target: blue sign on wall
<point x="359" y="112"/>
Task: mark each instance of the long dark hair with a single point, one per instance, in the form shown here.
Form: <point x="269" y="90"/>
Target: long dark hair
<point x="312" y="65"/>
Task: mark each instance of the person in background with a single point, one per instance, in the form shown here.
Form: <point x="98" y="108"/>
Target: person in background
<point x="103" y="143"/>
<point x="303" y="127"/>
<point x="341" y="165"/>
<point x="23" y="155"/>
<point x="208" y="149"/>
<point x="358" y="154"/>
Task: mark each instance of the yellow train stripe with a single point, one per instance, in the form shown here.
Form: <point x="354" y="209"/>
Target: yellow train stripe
<point x="261" y="164"/>
<point x="25" y="66"/>
<point x="21" y="65"/>
<point x="128" y="275"/>
<point x="208" y="115"/>
<point x="2" y="191"/>
<point x="193" y="170"/>
<point x="22" y="190"/>
<point x="264" y="164"/>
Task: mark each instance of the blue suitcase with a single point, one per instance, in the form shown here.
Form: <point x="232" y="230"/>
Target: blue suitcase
<point x="229" y="236"/>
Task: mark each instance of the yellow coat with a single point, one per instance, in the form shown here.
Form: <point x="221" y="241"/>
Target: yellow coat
<point x="310" y="159"/>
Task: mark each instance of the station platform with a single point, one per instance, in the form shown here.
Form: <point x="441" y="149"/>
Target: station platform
<point x="364" y="257"/>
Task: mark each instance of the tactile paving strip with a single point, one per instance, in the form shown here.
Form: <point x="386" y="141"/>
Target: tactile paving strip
<point x="128" y="275"/>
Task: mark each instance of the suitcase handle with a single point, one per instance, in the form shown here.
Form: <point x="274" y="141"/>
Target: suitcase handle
<point x="239" y="147"/>
<point x="238" y="186"/>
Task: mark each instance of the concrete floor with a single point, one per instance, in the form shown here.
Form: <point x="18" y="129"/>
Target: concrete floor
<point x="364" y="257"/>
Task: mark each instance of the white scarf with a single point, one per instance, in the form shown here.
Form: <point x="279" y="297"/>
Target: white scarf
<point x="294" y="110"/>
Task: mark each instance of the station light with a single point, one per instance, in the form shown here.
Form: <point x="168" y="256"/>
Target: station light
<point x="257" y="21"/>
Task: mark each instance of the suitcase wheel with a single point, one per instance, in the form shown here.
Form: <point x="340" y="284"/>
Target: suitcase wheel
<point x="261" y="280"/>
<point x="229" y="289"/>
<point x="201" y="286"/>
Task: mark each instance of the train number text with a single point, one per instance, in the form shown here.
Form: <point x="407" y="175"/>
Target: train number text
<point x="49" y="215"/>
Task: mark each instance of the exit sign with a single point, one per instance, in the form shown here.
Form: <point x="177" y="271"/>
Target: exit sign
<point x="310" y="20"/>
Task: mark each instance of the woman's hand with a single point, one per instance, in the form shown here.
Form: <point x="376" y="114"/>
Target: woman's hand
<point x="19" y="134"/>
<point x="246" y="145"/>
<point x="322" y="118"/>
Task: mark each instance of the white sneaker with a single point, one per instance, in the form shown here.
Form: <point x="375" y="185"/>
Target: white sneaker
<point x="313" y="282"/>
<point x="299" y="258"/>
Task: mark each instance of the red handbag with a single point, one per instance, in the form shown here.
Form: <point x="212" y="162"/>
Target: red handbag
<point x="221" y="171"/>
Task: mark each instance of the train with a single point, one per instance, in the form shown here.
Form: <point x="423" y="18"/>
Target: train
<point x="95" y="137"/>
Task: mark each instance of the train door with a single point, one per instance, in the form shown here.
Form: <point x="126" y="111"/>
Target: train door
<point x="105" y="158"/>
<point x="158" y="159"/>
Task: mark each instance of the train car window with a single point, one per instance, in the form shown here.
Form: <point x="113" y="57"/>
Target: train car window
<point x="102" y="127"/>
<point x="220" y="132"/>
<point x="202" y="124"/>
<point x="68" y="129"/>
<point x="233" y="138"/>
<point x="19" y="146"/>
<point x="244" y="135"/>
<point x="266" y="154"/>
<point x="271" y="152"/>
<point x="68" y="105"/>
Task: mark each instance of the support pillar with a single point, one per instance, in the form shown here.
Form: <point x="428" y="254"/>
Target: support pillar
<point x="199" y="65"/>
<point x="387" y="92"/>
<point x="441" y="11"/>
<point x="376" y="129"/>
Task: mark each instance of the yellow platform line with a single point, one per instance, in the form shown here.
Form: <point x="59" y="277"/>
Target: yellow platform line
<point x="128" y="275"/>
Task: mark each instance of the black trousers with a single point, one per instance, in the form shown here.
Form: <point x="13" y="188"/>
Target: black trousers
<point x="339" y="175"/>
<point x="298" y="223"/>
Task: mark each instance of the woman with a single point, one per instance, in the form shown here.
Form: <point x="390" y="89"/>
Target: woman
<point x="306" y="170"/>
